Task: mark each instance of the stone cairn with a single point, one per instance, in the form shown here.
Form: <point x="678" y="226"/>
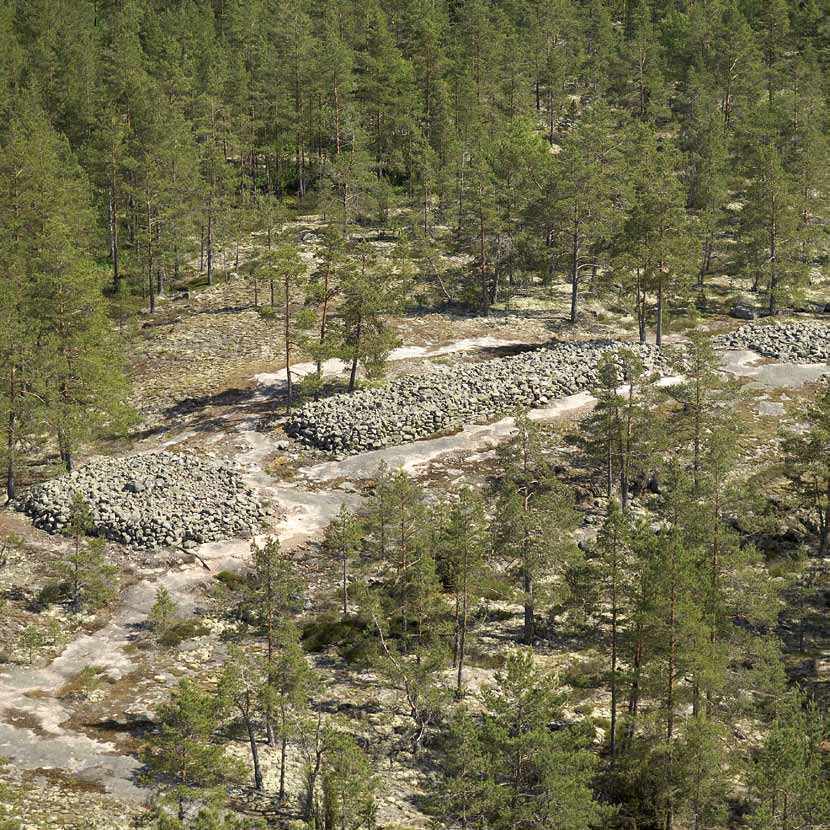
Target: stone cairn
<point x="416" y="406"/>
<point x="150" y="501"/>
<point x="803" y="341"/>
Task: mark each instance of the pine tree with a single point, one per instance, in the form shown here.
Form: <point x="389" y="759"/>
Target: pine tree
<point x="702" y="774"/>
<point x="705" y="143"/>
<point x="610" y="564"/>
<point x="62" y="361"/>
<point x="788" y="782"/>
<point x="642" y="84"/>
<point x="290" y="680"/>
<point x="736" y="65"/>
<point x="705" y="400"/>
<point x="774" y="31"/>
<point x="478" y="219"/>
<point x="325" y="285"/>
<point x="616" y="436"/>
<point x="366" y="337"/>
<point x="244" y="687"/>
<point x="409" y="622"/>
<point x="400" y="539"/>
<point x="343" y="541"/>
<point x="807" y="467"/>
<point x="807" y="152"/>
<point x="655" y="237"/>
<point x="290" y="272"/>
<point x="585" y="210"/>
<point x="12" y="59"/>
<point x="534" y="519"/>
<point x="183" y="750"/>
<point x="273" y="591"/>
<point x="91" y="581"/>
<point x="509" y="768"/>
<point x="348" y="787"/>
<point x="463" y="546"/>
<point x="770" y="222"/>
<point x="163" y="612"/>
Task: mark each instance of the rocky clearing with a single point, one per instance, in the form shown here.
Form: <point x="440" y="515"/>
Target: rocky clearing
<point x="81" y="743"/>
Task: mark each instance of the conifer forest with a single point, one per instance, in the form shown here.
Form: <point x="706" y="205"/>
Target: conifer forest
<point x="415" y="415"/>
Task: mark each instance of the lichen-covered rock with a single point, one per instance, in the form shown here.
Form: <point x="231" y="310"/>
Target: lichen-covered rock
<point x="150" y="501"/>
<point x="416" y="406"/>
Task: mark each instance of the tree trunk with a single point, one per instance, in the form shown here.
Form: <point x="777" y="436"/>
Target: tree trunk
<point x="634" y="690"/>
<point x="462" y="639"/>
<point x="485" y="286"/>
<point x="575" y="277"/>
<point x="160" y="264"/>
<point x="355" y="357"/>
<point x="528" y="606"/>
<point x="258" y="783"/>
<point x="773" y="265"/>
<point x="641" y="308"/>
<point x="324" y="316"/>
<point x="64" y="451"/>
<point x="345" y="584"/>
<point x="824" y="527"/>
<point x="287" y="335"/>
<point x="116" y="276"/>
<point x="311" y="785"/>
<point x="613" y="744"/>
<point x="283" y="748"/>
<point x="150" y="279"/>
<point x="11" y="440"/>
<point x="11" y="433"/>
<point x="705" y="263"/>
<point x="658" y="339"/>
<point x="209" y="247"/>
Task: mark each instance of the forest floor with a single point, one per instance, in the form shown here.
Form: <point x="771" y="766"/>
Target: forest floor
<point x="208" y="379"/>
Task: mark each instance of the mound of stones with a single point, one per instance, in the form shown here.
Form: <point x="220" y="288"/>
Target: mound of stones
<point x="150" y="501"/>
<point x="805" y="341"/>
<point x="416" y="406"/>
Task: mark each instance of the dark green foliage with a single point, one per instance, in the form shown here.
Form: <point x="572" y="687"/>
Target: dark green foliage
<point x="179" y="631"/>
<point x="508" y="767"/>
<point x="88" y="579"/>
<point x="350" y="637"/>
<point x="788" y="776"/>
<point x="183" y="750"/>
<point x="533" y="522"/>
<point x="807" y="465"/>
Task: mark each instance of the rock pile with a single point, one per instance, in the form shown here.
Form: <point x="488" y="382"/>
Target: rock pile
<point x="150" y="501"/>
<point x="806" y="341"/>
<point x="415" y="406"/>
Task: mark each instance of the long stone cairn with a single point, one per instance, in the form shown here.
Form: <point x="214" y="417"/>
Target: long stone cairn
<point x="801" y="341"/>
<point x="150" y="501"/>
<point x="417" y="406"/>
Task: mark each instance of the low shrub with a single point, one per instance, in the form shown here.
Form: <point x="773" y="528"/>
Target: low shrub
<point x="349" y="637"/>
<point x="182" y="630"/>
